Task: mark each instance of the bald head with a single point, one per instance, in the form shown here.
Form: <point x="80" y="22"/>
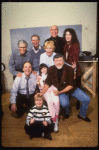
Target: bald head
<point x="54" y="31"/>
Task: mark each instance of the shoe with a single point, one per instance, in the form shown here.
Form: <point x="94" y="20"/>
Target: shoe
<point x="31" y="136"/>
<point x="65" y="117"/>
<point x="42" y="134"/>
<point x="47" y="136"/>
<point x="77" y="105"/>
<point x="85" y="119"/>
<point x="14" y="115"/>
<point x="56" y="127"/>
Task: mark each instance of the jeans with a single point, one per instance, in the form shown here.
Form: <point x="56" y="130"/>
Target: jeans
<point x="80" y="96"/>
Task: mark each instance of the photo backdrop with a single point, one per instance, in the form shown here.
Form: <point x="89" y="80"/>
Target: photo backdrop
<point x="43" y="32"/>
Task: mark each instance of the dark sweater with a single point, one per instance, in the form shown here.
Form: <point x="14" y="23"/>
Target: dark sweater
<point x="59" y="73"/>
<point x="36" y="58"/>
<point x="59" y="44"/>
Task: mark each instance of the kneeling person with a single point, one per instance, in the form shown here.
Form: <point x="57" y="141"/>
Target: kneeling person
<point x="38" y="120"/>
<point x="23" y="90"/>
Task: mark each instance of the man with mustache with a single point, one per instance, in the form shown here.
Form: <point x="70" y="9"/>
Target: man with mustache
<point x="62" y="77"/>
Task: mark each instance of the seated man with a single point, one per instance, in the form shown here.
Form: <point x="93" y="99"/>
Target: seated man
<point x="23" y="90"/>
<point x="61" y="76"/>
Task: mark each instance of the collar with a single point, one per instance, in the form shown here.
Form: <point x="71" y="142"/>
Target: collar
<point x="54" y="37"/>
<point x="25" y="75"/>
<point x="50" y="56"/>
<point x="36" y="50"/>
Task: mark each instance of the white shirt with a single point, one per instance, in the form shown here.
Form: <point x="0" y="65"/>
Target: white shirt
<point x="20" y="84"/>
<point x="48" y="60"/>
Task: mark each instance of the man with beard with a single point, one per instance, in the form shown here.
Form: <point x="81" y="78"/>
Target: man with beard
<point x="61" y="76"/>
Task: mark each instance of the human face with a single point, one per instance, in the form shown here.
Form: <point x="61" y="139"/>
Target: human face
<point x="59" y="62"/>
<point x="39" y="103"/>
<point x="49" y="50"/>
<point x="44" y="70"/>
<point x="27" y="68"/>
<point x="35" y="41"/>
<point x="22" y="49"/>
<point x="54" y="31"/>
<point x="68" y="36"/>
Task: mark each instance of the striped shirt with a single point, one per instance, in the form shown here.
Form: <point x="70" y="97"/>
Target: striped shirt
<point x="38" y="114"/>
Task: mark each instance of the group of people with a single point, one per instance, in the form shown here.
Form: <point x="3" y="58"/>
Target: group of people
<point x="48" y="74"/>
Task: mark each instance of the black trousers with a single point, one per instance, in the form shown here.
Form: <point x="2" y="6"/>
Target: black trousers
<point x="22" y="99"/>
<point x="37" y="128"/>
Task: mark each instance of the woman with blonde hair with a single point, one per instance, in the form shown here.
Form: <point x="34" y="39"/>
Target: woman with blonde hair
<point x="47" y="57"/>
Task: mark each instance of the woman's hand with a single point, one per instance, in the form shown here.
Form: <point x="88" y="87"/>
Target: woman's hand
<point x="19" y="75"/>
<point x="74" y="65"/>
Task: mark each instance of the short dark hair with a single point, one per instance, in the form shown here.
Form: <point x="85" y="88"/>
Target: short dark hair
<point x="42" y="66"/>
<point x="27" y="62"/>
<point x="35" y="35"/>
<point x="58" y="56"/>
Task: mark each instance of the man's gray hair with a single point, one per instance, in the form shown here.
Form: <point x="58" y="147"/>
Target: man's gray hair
<point x="22" y="42"/>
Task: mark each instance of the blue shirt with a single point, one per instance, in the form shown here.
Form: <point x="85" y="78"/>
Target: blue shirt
<point x="16" y="62"/>
<point x="36" y="57"/>
<point x="20" y="84"/>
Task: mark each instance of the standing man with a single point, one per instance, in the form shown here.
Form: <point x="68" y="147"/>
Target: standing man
<point x="58" y="41"/>
<point x="23" y="90"/>
<point x="18" y="58"/>
<point x="61" y="76"/>
<point x="36" y="51"/>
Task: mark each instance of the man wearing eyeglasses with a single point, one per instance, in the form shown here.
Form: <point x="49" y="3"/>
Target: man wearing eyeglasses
<point x="18" y="58"/>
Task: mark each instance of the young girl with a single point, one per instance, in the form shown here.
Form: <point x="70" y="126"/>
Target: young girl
<point x="51" y="99"/>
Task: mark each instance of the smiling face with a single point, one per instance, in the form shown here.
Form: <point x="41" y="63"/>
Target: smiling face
<point x="27" y="68"/>
<point x="68" y="36"/>
<point x="22" y="49"/>
<point x="35" y="41"/>
<point x="39" y="102"/>
<point x="54" y="31"/>
<point x="44" y="70"/>
<point x="59" y="62"/>
<point x="49" y="50"/>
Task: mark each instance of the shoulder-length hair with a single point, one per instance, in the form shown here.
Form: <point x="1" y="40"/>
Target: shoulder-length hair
<point x="73" y="33"/>
<point x="42" y="66"/>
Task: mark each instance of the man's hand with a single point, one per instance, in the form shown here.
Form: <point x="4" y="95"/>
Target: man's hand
<point x="13" y="107"/>
<point x="19" y="75"/>
<point x="56" y="92"/>
<point x="32" y="121"/>
<point x="34" y="73"/>
<point x="37" y="95"/>
<point x="45" y="123"/>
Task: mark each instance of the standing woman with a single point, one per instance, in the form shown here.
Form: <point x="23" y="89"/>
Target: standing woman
<point x="71" y="53"/>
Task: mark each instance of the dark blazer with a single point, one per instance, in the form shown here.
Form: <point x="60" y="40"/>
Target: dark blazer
<point x="73" y="55"/>
<point x="67" y="78"/>
<point x="59" y="44"/>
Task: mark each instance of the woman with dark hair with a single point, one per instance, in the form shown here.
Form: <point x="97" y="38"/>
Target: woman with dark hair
<point x="71" y="53"/>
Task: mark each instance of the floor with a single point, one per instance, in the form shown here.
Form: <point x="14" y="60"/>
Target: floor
<point x="73" y="132"/>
